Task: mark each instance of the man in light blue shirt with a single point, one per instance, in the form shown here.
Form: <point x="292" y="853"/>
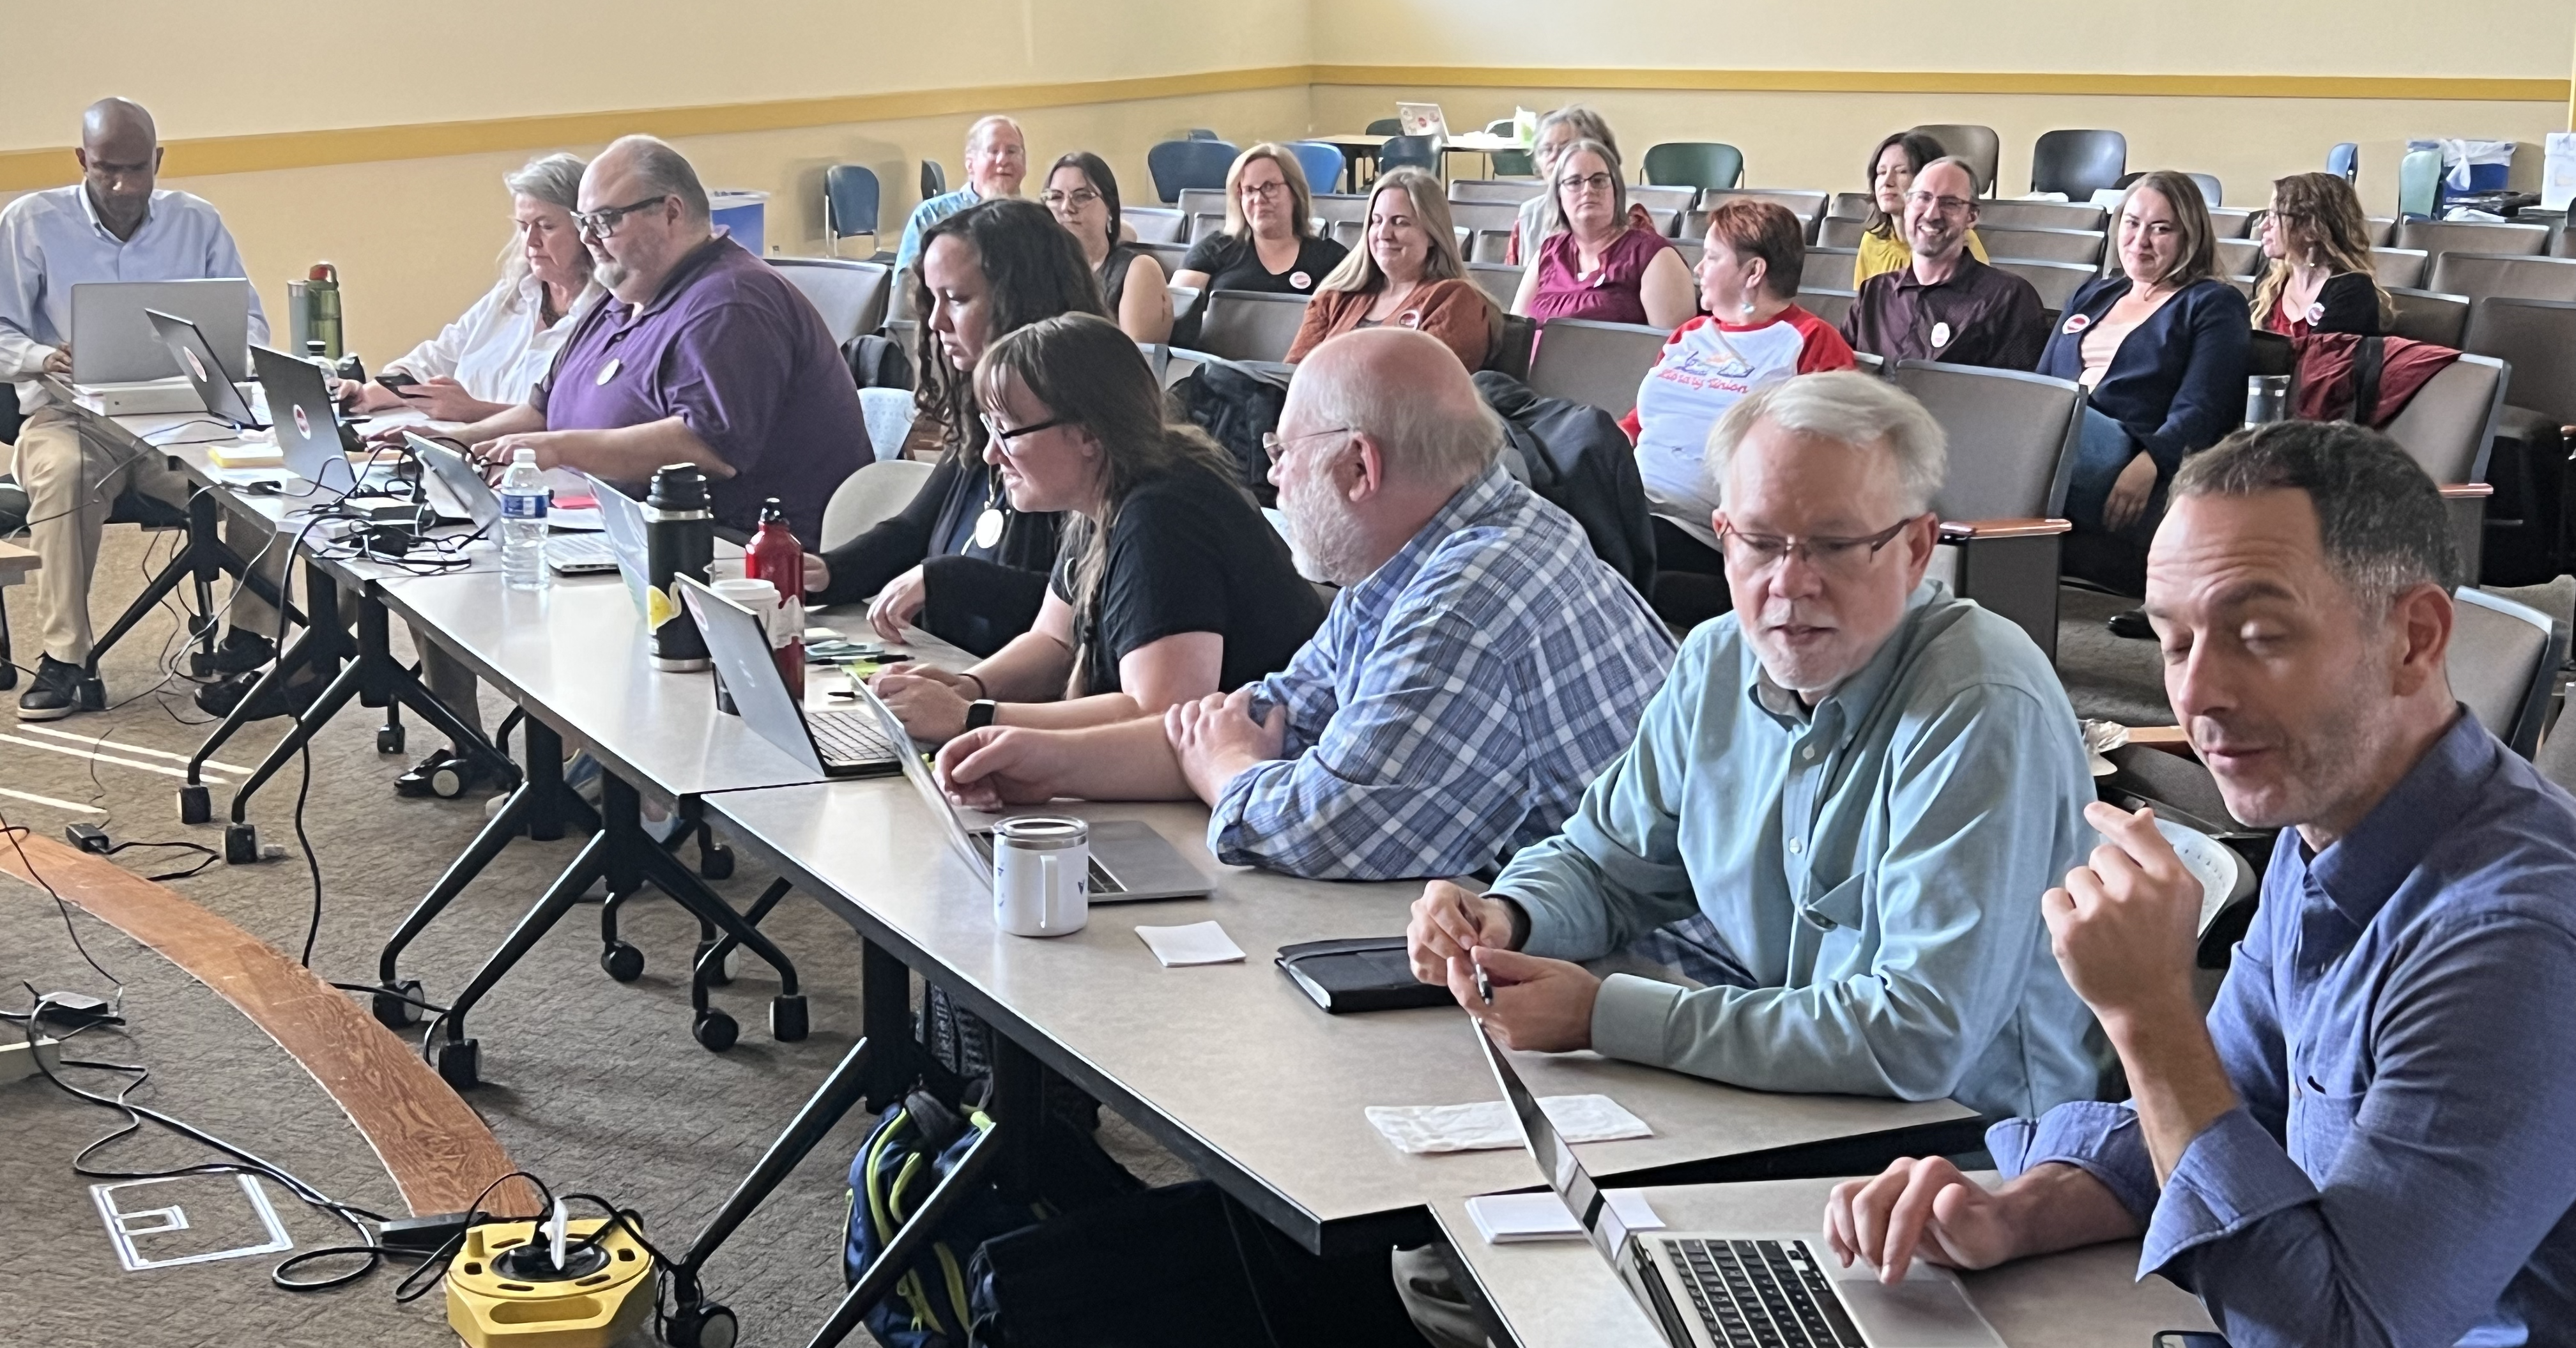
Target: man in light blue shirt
<point x="1861" y="782"/>
<point x="111" y="226"/>
<point x="2368" y="1140"/>
<point x="997" y="158"/>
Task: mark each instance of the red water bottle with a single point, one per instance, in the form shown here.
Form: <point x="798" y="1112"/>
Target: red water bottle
<point x="775" y="556"/>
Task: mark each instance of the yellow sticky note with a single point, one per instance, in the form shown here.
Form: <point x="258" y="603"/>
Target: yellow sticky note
<point x="659" y="607"/>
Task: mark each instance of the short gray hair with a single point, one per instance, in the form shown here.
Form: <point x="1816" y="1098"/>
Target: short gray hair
<point x="984" y="124"/>
<point x="1422" y="437"/>
<point x="1587" y="121"/>
<point x="665" y="172"/>
<point x="1846" y="407"/>
<point x="554" y="179"/>
<point x="2380" y="519"/>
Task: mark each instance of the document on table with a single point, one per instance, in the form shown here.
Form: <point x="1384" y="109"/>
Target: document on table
<point x="1488" y="1125"/>
<point x="1505" y="1219"/>
<point x="1197" y="943"/>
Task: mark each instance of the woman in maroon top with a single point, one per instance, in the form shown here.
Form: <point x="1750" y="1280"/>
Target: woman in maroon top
<point x="1594" y="261"/>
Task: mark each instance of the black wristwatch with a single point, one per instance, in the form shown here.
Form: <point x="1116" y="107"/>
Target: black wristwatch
<point x="979" y="713"/>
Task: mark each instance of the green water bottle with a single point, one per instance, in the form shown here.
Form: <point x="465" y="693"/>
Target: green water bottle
<point x="322" y="294"/>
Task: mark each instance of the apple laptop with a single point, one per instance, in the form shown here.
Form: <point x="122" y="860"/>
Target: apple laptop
<point x="455" y="487"/>
<point x="114" y="343"/>
<point x="206" y="370"/>
<point x="827" y="743"/>
<point x="1745" y="1289"/>
<point x="1422" y="119"/>
<point x="305" y="420"/>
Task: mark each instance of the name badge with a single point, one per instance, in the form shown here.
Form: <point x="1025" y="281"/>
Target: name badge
<point x="1410" y="318"/>
<point x="988" y="528"/>
<point x="1940" y="335"/>
<point x="607" y="372"/>
<point x="2317" y="312"/>
<point x="2076" y="323"/>
<point x="1298" y="280"/>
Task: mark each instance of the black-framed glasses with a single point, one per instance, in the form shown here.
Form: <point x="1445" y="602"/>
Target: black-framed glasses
<point x="1590" y="182"/>
<point x="603" y="224"/>
<point x="1004" y="435"/>
<point x="1946" y="205"/>
<point x="1274" y="444"/>
<point x="1842" y="556"/>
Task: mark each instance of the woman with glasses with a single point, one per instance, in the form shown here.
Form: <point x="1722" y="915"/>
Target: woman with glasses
<point x="2320" y="278"/>
<point x="1594" y="260"/>
<point x="1268" y="244"/>
<point x="1170" y="587"/>
<point x="1754" y="334"/>
<point x="1407" y="274"/>
<point x="1892" y="167"/>
<point x="1082" y="194"/>
<point x="962" y="562"/>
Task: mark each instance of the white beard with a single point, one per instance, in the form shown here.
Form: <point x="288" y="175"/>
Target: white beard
<point x="1324" y="539"/>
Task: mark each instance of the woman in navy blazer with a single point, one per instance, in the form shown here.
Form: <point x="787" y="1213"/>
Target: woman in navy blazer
<point x="2160" y="348"/>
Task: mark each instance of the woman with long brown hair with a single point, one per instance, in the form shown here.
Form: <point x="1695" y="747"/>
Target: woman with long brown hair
<point x="1406" y="274"/>
<point x="1170" y="586"/>
<point x="2320" y="278"/>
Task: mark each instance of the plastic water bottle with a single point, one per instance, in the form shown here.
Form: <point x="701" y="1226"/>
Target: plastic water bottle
<point x="523" y="523"/>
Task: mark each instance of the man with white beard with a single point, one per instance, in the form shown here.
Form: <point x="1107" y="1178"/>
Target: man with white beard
<point x="1479" y="667"/>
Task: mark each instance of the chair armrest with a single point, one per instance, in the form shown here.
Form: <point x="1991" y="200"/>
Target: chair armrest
<point x="2467" y="491"/>
<point x="1961" y="531"/>
<point x="2169" y="738"/>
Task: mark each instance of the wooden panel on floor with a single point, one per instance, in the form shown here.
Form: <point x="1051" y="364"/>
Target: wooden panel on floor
<point x="438" y="1150"/>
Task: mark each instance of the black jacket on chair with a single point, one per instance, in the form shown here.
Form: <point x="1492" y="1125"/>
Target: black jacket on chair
<point x="2177" y="383"/>
<point x="1575" y="456"/>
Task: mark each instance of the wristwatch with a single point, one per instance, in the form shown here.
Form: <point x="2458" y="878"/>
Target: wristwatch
<point x="979" y="713"/>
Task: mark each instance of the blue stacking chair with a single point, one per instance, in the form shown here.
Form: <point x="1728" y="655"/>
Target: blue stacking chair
<point x="849" y="204"/>
<point x="1323" y="163"/>
<point x="2344" y="161"/>
<point x="1409" y="152"/>
<point x="1181" y="164"/>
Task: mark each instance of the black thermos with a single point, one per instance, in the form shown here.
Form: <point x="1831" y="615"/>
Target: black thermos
<point x="679" y="540"/>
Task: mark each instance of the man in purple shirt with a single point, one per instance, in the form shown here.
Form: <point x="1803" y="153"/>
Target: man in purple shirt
<point x="2368" y="1141"/>
<point x="701" y="353"/>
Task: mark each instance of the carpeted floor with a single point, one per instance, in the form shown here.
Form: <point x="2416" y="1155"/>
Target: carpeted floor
<point x="595" y="1086"/>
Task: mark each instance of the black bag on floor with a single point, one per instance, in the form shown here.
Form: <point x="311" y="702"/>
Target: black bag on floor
<point x="915" y="1144"/>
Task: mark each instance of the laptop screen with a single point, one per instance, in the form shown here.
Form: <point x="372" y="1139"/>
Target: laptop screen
<point x="1564" y="1173"/>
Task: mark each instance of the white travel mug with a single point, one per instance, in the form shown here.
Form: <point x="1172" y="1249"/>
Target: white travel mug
<point x="1041" y="875"/>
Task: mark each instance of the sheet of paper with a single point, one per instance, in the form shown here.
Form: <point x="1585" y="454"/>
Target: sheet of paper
<point x="1506" y="1218"/>
<point x="1197" y="943"/>
<point x="1488" y="1125"/>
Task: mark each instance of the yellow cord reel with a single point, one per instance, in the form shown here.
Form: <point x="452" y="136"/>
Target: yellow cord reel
<point x="504" y="1291"/>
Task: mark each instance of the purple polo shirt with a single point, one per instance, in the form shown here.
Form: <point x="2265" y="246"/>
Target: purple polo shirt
<point x="730" y="347"/>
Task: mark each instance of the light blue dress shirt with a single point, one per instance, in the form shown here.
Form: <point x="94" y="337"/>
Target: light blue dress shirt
<point x="52" y="240"/>
<point x="1876" y="867"/>
<point x="907" y="251"/>
<point x="2400" y="1022"/>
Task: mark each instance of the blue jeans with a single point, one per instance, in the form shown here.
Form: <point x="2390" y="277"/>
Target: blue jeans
<point x="2103" y="448"/>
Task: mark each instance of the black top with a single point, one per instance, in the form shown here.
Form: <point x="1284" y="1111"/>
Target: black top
<point x="2347" y="302"/>
<point x="1112" y="272"/>
<point x="1191" y="553"/>
<point x="974" y="598"/>
<point x="1234" y="264"/>
<point x="1980" y="316"/>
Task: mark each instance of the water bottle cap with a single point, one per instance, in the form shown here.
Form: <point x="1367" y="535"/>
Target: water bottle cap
<point x="521" y="455"/>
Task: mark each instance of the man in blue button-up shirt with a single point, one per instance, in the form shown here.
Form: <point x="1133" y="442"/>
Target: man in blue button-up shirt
<point x="1861" y="783"/>
<point x="110" y="226"/>
<point x="2372" y="1140"/>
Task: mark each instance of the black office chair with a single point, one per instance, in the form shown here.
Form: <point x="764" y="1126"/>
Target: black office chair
<point x="934" y="179"/>
<point x="2078" y="163"/>
<point x="1408" y="152"/>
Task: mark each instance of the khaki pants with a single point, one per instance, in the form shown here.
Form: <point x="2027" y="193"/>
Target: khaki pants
<point x="71" y="476"/>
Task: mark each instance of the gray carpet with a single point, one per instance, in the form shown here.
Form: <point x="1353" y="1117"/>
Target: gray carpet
<point x="595" y="1086"/>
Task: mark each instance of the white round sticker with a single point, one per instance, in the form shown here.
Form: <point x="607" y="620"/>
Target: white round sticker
<point x="2317" y="312"/>
<point x="1940" y="334"/>
<point x="303" y="427"/>
<point x="606" y="373"/>
<point x="2077" y="323"/>
<point x="196" y="367"/>
<point x="1300" y="280"/>
<point x="988" y="528"/>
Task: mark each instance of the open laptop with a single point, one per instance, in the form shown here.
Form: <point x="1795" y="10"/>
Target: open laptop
<point x="306" y="420"/>
<point x="1746" y="1289"/>
<point x="1422" y="119"/>
<point x="458" y="491"/>
<point x="206" y="369"/>
<point x="828" y="743"/>
<point x="114" y="343"/>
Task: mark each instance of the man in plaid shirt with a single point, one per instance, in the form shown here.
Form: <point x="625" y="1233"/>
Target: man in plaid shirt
<point x="1479" y="667"/>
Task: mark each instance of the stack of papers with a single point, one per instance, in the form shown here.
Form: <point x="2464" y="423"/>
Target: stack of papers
<point x="1505" y="1219"/>
<point x="1197" y="943"/>
<point x="1488" y="1125"/>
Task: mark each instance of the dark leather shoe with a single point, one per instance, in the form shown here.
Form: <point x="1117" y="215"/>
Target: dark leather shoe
<point x="445" y="774"/>
<point x="55" y="693"/>
<point x="219" y="699"/>
<point x="242" y="652"/>
<point x="2131" y="623"/>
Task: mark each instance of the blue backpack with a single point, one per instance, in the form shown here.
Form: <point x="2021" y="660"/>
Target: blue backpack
<point x="915" y="1144"/>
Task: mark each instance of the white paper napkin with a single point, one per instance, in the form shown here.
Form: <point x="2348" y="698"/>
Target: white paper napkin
<point x="1197" y="943"/>
<point x="1488" y="1125"/>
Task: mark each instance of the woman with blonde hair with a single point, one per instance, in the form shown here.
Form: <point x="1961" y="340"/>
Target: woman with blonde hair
<point x="1269" y="243"/>
<point x="1407" y="274"/>
<point x="2320" y="278"/>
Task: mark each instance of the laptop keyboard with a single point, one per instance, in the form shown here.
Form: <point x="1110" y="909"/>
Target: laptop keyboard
<point x="1762" y="1294"/>
<point x="849" y="739"/>
<point x="580" y="550"/>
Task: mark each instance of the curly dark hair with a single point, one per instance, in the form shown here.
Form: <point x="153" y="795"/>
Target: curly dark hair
<point x="1034" y="269"/>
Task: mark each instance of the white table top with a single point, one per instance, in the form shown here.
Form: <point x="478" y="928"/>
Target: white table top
<point x="1231" y="1065"/>
<point x="1553" y="1293"/>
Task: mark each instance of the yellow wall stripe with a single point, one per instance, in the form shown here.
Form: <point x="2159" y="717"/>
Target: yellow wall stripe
<point x="24" y="169"/>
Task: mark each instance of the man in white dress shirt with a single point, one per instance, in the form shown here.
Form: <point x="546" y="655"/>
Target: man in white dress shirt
<point x="110" y="226"/>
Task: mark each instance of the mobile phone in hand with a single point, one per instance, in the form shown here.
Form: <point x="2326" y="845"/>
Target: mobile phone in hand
<point x="395" y="380"/>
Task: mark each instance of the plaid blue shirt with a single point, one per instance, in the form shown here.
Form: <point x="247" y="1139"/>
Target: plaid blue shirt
<point x="1455" y="703"/>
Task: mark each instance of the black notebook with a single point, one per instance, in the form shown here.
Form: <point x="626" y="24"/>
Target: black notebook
<point x="1361" y="973"/>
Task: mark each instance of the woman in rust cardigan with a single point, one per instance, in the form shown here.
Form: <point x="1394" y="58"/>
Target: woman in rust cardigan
<point x="1409" y="276"/>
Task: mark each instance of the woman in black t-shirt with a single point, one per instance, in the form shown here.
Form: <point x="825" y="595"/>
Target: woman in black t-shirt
<point x="1171" y="585"/>
<point x="1269" y="242"/>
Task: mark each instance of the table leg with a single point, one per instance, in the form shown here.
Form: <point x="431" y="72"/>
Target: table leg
<point x="458" y="1056"/>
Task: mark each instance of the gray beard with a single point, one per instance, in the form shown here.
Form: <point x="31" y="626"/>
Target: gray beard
<point x="1323" y="540"/>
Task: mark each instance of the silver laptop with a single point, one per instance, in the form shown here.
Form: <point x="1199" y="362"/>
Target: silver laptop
<point x="113" y="343"/>
<point x="206" y="369"/>
<point x="305" y="420"/>
<point x="1422" y="119"/>
<point x="458" y="492"/>
<point x="1746" y="1289"/>
<point x="827" y="743"/>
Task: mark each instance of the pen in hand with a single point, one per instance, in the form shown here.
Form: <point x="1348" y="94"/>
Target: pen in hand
<point x="1484" y="981"/>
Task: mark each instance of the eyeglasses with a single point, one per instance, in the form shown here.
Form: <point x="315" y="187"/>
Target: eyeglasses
<point x="603" y="224"/>
<point x="1265" y="191"/>
<point x="1590" y="182"/>
<point x="1004" y="435"/>
<point x="1841" y="556"/>
<point x="1274" y="445"/>
<point x="1077" y="198"/>
<point x="1945" y="205"/>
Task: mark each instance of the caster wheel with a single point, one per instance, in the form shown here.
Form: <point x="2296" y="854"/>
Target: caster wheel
<point x="787" y="1019"/>
<point x="458" y="1063"/>
<point x="201" y="626"/>
<point x="93" y="694"/>
<point x="241" y="844"/>
<point x="200" y="665"/>
<point x="393" y="1012"/>
<point x="706" y="1326"/>
<point x="722" y="972"/>
<point x="194" y="806"/>
<point x="715" y="1031"/>
<point x="389" y="739"/>
<point x="715" y="862"/>
<point x="623" y="962"/>
<point x="445" y="782"/>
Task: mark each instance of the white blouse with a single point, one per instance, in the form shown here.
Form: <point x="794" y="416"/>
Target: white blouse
<point x="498" y="349"/>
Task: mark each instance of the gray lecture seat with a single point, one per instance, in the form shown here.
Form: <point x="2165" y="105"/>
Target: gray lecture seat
<point x="2424" y="316"/>
<point x="852" y="296"/>
<point x="2056" y="282"/>
<point x="1979" y="145"/>
<point x="2519" y="275"/>
<point x="1599" y="364"/>
<point x="2012" y="449"/>
<point x="2023" y="243"/>
<point x="2470" y="236"/>
<point x="2501" y="659"/>
<point x="1509" y="191"/>
<point x="1827" y="303"/>
<point x="2536" y="339"/>
<point x="1500" y="281"/>
<point x="2042" y="215"/>
<point x="1249" y="325"/>
<point x="2400" y="266"/>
